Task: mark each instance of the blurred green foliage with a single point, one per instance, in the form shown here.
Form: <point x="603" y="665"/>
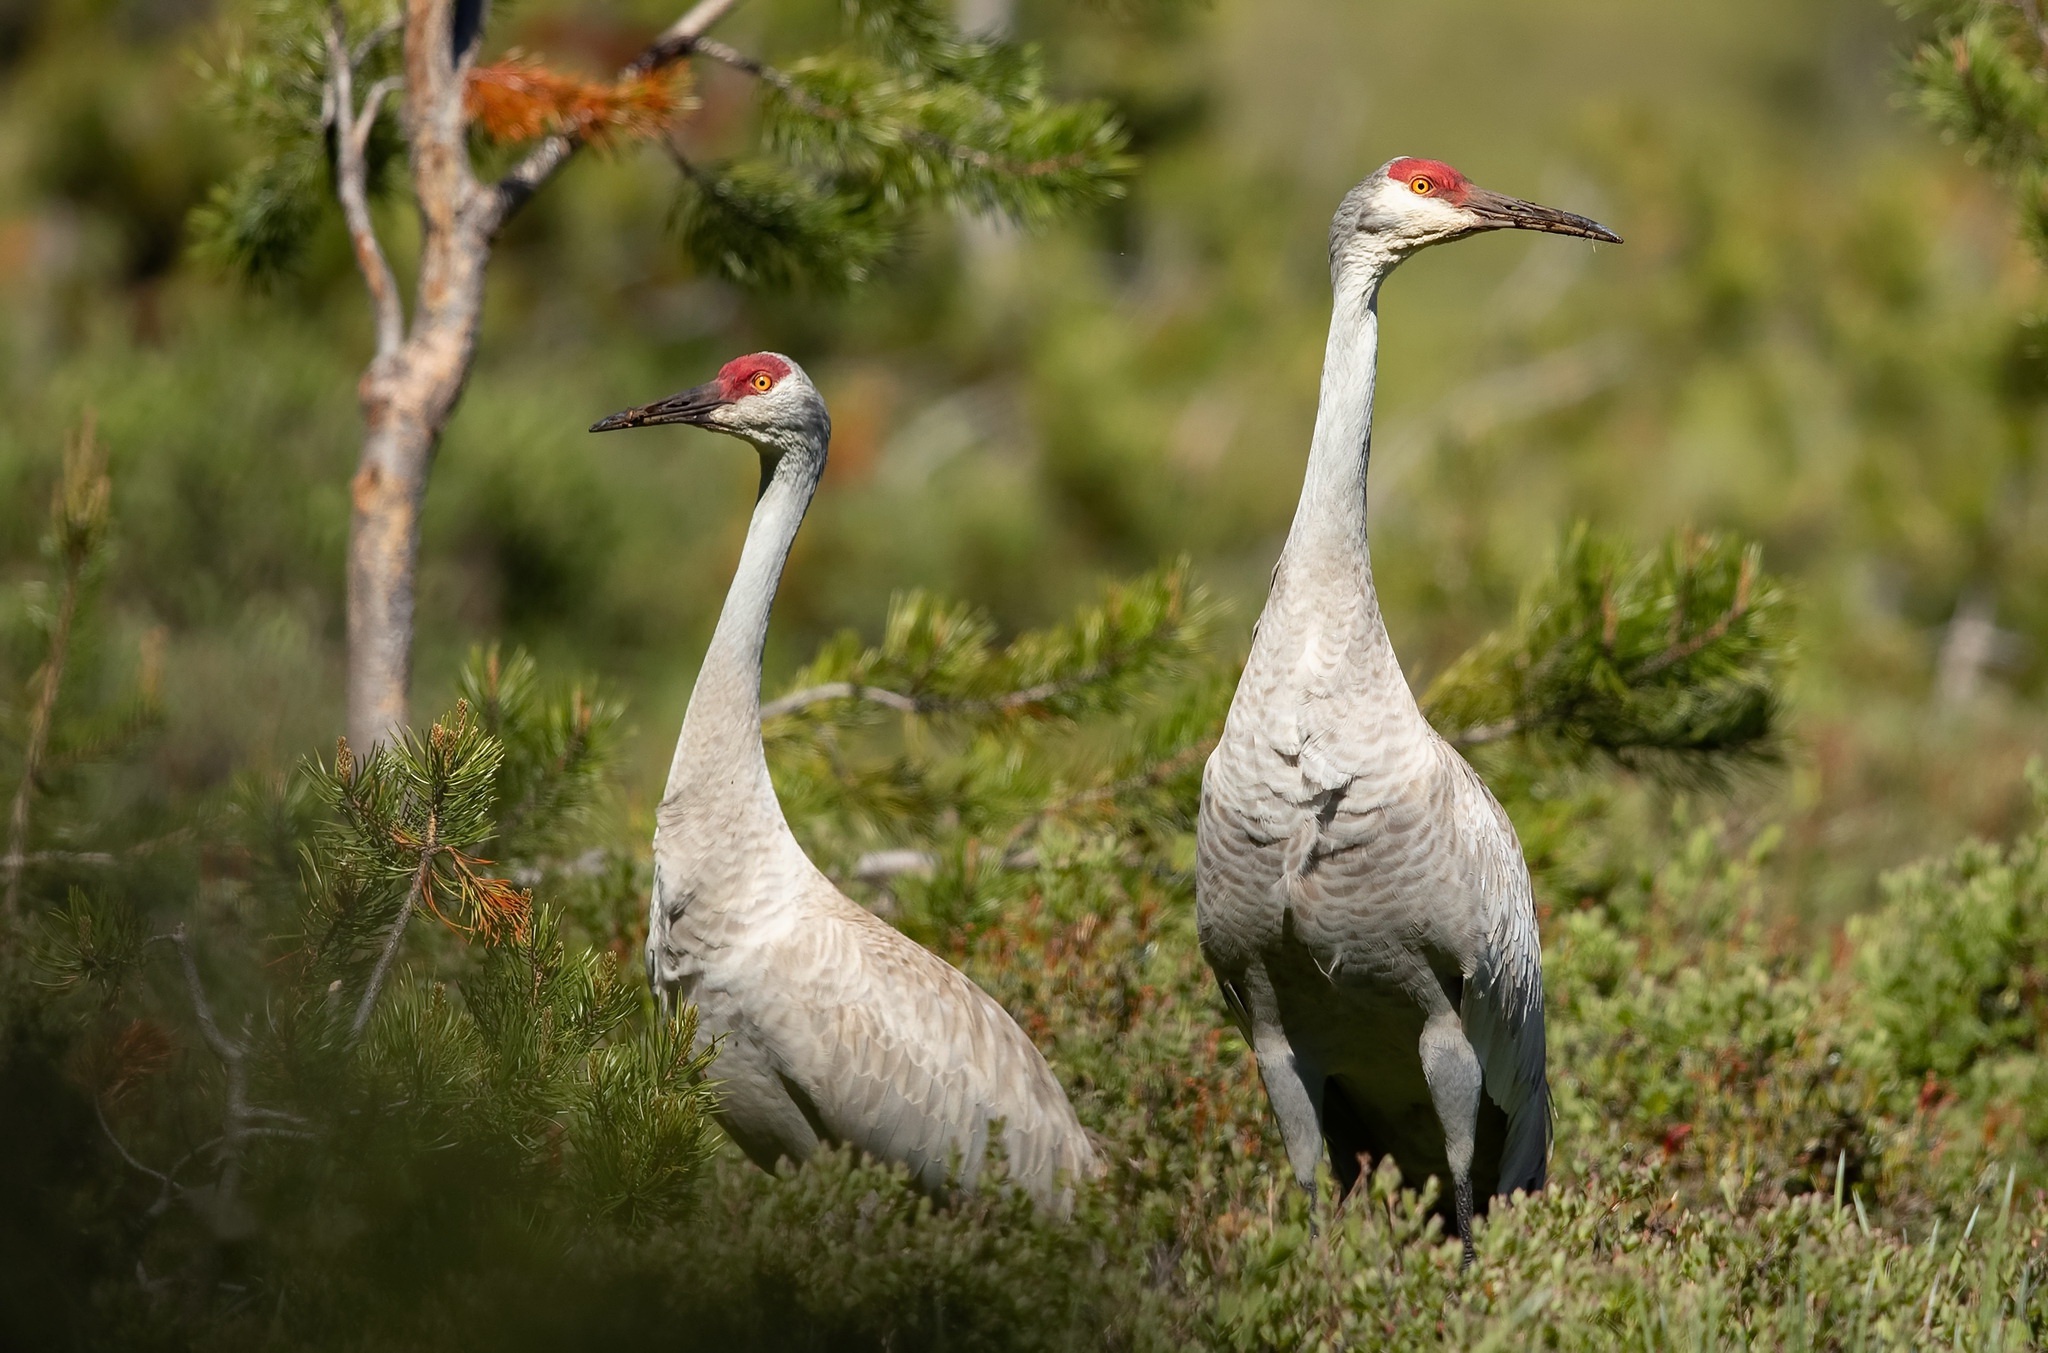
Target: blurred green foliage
<point x="1976" y="77"/>
<point x="1775" y="1129"/>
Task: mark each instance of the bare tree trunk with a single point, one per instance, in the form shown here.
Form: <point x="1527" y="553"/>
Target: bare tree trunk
<point x="389" y="488"/>
<point x="412" y="384"/>
<point x="383" y="556"/>
<point x="406" y="401"/>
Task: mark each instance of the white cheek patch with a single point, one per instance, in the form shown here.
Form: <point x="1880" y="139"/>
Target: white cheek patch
<point x="1418" y="218"/>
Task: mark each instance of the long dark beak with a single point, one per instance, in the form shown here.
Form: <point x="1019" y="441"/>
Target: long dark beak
<point x="691" y="406"/>
<point x="1496" y="212"/>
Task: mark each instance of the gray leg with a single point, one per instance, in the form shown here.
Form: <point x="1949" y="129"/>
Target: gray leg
<point x="1287" y="1086"/>
<point x="1295" y="1096"/>
<point x="1452" y="1070"/>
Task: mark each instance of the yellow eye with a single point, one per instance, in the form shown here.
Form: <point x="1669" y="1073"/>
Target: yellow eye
<point x="1421" y="185"/>
<point x="762" y="382"/>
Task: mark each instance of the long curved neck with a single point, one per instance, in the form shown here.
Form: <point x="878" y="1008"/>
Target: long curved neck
<point x="1326" y="545"/>
<point x="719" y="754"/>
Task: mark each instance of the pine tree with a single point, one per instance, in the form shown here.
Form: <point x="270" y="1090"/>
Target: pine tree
<point x="428" y="1072"/>
<point x="856" y="142"/>
<point x="1979" y="76"/>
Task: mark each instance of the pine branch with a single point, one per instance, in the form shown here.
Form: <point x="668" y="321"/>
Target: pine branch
<point x="965" y="786"/>
<point x="761" y="70"/>
<point x="937" y="659"/>
<point x="236" y="1113"/>
<point x="1980" y="77"/>
<point x="861" y="143"/>
<point x="797" y="701"/>
<point x="170" y="1186"/>
<point x="555" y="749"/>
<point x="865" y="115"/>
<point x="99" y="858"/>
<point x="1666" y="663"/>
<point x="89" y="943"/>
<point x="422" y="874"/>
<point x="1682" y="650"/>
<point x="79" y="520"/>
<point x="52" y="675"/>
<point x="1103" y="795"/>
<point x="225" y="1048"/>
<point x="407" y="821"/>
<point x="762" y="225"/>
<point x="241" y="1121"/>
<point x="529" y="1059"/>
<point x="276" y="84"/>
<point x="907" y="32"/>
<point x="1032" y="698"/>
<point x="1015" y="852"/>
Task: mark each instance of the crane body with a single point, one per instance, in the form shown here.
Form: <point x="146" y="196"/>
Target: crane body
<point x="1361" y="896"/>
<point x="832" y="1025"/>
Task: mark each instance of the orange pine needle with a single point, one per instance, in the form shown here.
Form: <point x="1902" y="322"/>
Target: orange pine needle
<point x="501" y="910"/>
<point x="519" y="99"/>
<point x="138" y="1052"/>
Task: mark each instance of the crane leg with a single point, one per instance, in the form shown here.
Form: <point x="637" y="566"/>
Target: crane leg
<point x="1452" y="1070"/>
<point x="1293" y="1089"/>
<point x="1294" y="1104"/>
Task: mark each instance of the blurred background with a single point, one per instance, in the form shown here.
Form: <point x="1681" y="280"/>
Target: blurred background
<point x="1817" y="334"/>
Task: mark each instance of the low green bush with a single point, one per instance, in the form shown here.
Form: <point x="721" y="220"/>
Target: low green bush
<point x="348" y="1085"/>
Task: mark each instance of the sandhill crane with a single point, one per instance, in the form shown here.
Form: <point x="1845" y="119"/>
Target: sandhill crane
<point x="835" y="1026"/>
<point x="1360" y="895"/>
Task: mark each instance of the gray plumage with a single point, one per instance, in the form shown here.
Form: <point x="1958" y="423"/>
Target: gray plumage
<point x="1361" y="896"/>
<point x="833" y="1026"/>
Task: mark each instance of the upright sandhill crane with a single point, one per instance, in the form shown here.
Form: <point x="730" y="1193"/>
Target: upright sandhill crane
<point x="1360" y="895"/>
<point x="835" y="1027"/>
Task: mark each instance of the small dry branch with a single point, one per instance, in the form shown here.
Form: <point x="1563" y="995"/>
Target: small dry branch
<point x="79" y="518"/>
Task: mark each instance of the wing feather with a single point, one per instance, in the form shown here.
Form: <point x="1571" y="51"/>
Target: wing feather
<point x="908" y="1060"/>
<point x="1503" y="1006"/>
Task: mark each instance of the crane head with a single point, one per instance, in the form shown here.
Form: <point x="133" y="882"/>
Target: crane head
<point x="763" y="398"/>
<point x="1408" y="204"/>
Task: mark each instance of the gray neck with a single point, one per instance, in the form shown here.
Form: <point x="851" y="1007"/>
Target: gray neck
<point x="719" y="753"/>
<point x="1326" y="545"/>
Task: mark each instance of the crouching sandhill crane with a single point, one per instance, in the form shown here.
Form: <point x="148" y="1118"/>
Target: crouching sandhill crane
<point x="835" y="1027"/>
<point x="1360" y="895"/>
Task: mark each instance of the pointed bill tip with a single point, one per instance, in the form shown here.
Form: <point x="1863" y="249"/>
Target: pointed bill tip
<point x="692" y="406"/>
<point x="1552" y="222"/>
<point x="1497" y="212"/>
